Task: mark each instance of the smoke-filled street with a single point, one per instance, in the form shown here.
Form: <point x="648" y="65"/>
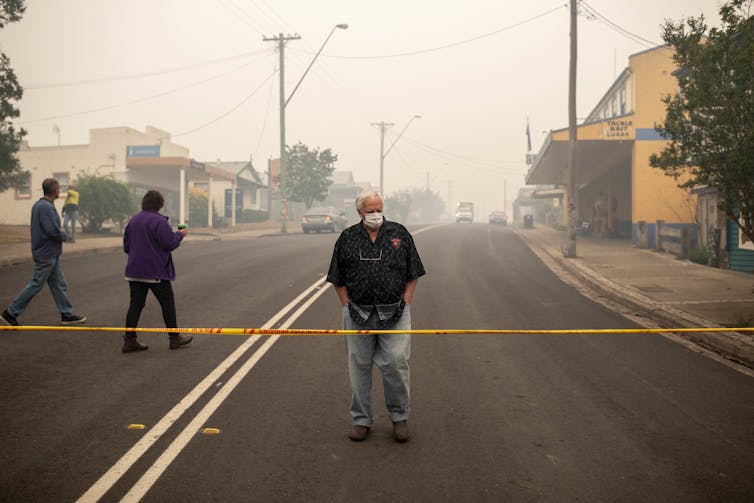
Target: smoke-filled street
<point x="494" y="417"/>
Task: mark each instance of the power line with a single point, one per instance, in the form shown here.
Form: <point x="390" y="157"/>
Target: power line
<point x="636" y="38"/>
<point x="454" y="44"/>
<point x="133" y="102"/>
<point x="244" y="18"/>
<point x="266" y="116"/>
<point x="247" y="98"/>
<point x="458" y="156"/>
<point x="273" y="21"/>
<point x="146" y="74"/>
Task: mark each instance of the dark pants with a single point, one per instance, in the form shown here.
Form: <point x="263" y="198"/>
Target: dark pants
<point x="164" y="293"/>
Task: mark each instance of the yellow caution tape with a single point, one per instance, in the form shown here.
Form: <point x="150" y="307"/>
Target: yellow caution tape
<point x="319" y="332"/>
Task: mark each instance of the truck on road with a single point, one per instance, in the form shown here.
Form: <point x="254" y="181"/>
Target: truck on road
<point x="464" y="212"/>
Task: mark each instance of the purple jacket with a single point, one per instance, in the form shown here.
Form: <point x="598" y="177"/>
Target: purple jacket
<point x="148" y="241"/>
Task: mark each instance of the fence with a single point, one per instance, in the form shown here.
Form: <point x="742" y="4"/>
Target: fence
<point x="672" y="239"/>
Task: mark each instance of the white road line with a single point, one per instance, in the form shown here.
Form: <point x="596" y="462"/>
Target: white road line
<point x="149" y="478"/>
<point x="158" y="468"/>
<point x="106" y="482"/>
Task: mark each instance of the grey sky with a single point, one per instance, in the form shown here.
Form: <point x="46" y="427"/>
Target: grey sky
<point x="474" y="97"/>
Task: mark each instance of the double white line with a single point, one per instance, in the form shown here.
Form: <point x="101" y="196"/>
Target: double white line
<point x="106" y="482"/>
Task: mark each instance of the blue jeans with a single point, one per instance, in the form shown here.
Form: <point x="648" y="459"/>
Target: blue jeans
<point x="45" y="271"/>
<point x="72" y="217"/>
<point x="390" y="352"/>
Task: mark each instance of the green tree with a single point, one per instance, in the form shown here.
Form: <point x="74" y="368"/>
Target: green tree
<point x="10" y="92"/>
<point x="308" y="173"/>
<point x="710" y="121"/>
<point x="429" y="205"/>
<point x="101" y="199"/>
<point x="415" y="205"/>
<point x="398" y="206"/>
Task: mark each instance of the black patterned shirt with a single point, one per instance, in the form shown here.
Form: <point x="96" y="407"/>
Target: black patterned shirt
<point x="375" y="274"/>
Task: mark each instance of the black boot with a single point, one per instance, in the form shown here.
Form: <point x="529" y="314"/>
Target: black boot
<point x="131" y="344"/>
<point x="179" y="340"/>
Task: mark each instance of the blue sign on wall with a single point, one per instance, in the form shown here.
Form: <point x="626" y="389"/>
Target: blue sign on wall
<point x="143" y="151"/>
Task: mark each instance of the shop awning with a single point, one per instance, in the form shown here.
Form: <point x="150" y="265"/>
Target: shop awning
<point x="594" y="157"/>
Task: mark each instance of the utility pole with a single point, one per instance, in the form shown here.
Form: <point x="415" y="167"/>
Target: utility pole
<point x="269" y="184"/>
<point x="449" y="200"/>
<point x="505" y="195"/>
<point x="382" y="125"/>
<point x="569" y="248"/>
<point x="384" y="154"/>
<point x="281" y="39"/>
<point x="427" y="181"/>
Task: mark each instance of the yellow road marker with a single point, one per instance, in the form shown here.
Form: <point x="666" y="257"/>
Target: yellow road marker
<point x="211" y="431"/>
<point x="136" y="426"/>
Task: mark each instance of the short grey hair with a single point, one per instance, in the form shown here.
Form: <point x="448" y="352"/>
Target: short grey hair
<point x="367" y="194"/>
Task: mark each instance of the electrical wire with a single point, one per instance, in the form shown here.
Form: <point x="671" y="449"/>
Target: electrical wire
<point x="133" y="102"/>
<point x="266" y="115"/>
<point x="467" y="161"/>
<point x="244" y="16"/>
<point x="458" y="156"/>
<point x="636" y="38"/>
<point x="146" y="74"/>
<point x="454" y="44"/>
<point x="247" y="98"/>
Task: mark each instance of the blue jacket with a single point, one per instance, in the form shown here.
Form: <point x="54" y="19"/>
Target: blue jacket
<point x="46" y="236"/>
<point x="148" y="241"/>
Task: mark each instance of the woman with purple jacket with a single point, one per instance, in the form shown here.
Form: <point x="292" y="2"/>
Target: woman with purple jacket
<point x="148" y="241"/>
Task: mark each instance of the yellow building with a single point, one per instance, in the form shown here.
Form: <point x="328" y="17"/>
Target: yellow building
<point x="618" y="192"/>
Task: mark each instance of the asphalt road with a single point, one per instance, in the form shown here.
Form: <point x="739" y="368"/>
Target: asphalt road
<point x="494" y="418"/>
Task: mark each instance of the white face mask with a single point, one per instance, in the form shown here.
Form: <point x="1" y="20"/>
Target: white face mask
<point x="373" y="220"/>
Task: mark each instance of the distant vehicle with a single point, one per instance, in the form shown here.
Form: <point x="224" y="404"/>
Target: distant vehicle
<point x="498" y="217"/>
<point x="323" y="219"/>
<point x="464" y="212"/>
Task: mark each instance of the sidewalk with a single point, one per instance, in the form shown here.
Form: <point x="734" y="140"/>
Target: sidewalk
<point x="672" y="293"/>
<point x="87" y="244"/>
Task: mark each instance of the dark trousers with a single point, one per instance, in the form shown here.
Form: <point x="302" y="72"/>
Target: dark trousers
<point x="164" y="293"/>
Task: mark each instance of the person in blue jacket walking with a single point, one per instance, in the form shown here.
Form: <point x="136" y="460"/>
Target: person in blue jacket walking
<point x="46" y="247"/>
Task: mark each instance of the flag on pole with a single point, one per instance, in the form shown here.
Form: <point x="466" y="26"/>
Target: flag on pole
<point x="528" y="136"/>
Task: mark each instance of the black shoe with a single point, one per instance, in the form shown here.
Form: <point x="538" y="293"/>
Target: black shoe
<point x="72" y="319"/>
<point x="400" y="431"/>
<point x="131" y="344"/>
<point x="359" y="433"/>
<point x="9" y="318"/>
<point x="177" y="341"/>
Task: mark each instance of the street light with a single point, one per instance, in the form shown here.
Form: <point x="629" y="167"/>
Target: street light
<point x="283" y="103"/>
<point x="341" y="26"/>
<point x="383" y="155"/>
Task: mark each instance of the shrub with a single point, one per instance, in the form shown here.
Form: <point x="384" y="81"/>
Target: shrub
<point x="249" y="216"/>
<point x="699" y="256"/>
<point x="103" y="198"/>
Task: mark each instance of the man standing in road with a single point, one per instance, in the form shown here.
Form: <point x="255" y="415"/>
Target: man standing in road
<point x="46" y="247"/>
<point x="375" y="268"/>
